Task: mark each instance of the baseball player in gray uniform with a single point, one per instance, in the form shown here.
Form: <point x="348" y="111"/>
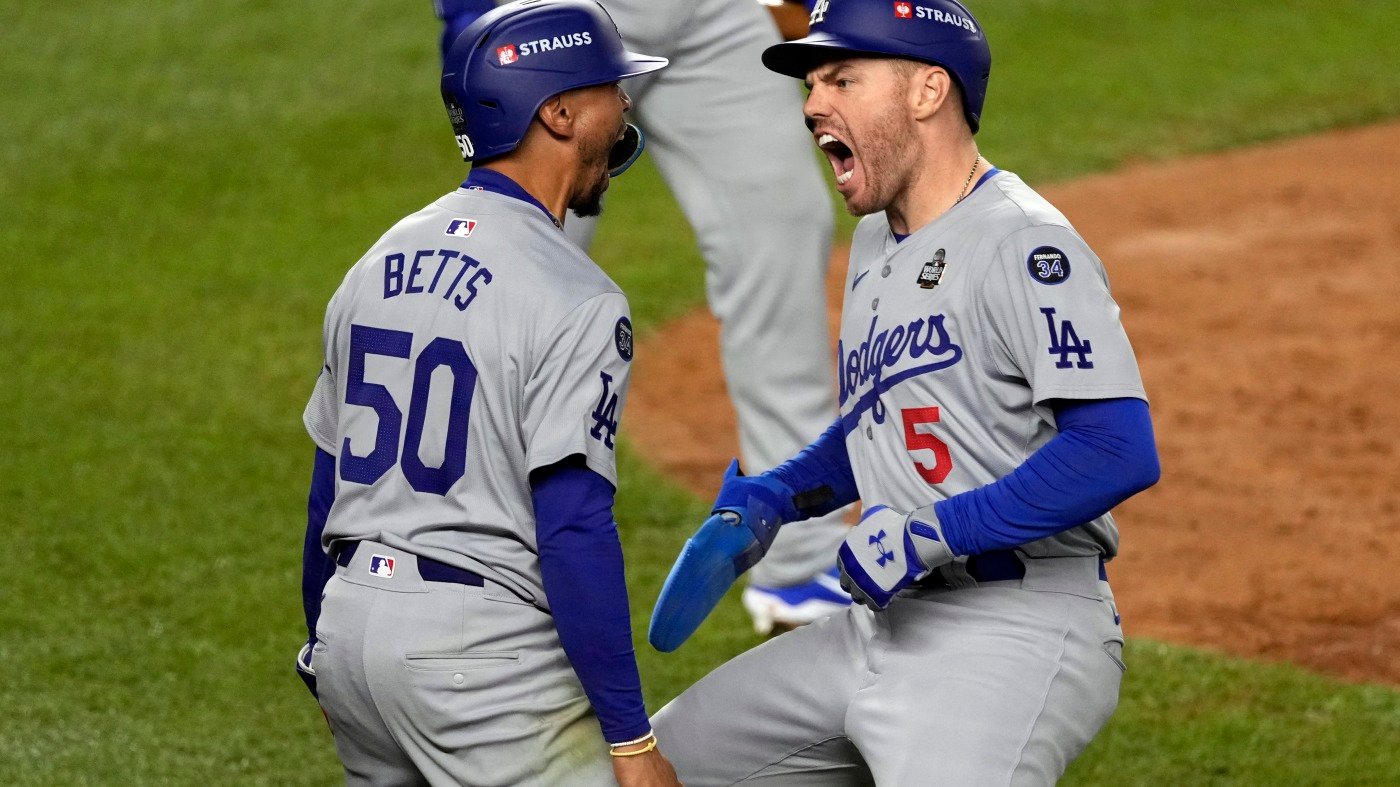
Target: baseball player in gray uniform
<point x="992" y="414"/>
<point x="464" y="587"/>
<point x="727" y="137"/>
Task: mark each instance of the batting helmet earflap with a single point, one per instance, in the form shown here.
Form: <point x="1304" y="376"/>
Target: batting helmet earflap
<point x="941" y="32"/>
<point x="506" y="64"/>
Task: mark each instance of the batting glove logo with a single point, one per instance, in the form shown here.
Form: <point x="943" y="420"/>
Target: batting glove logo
<point x="903" y="10"/>
<point x="506" y="55"/>
<point x="884" y="555"/>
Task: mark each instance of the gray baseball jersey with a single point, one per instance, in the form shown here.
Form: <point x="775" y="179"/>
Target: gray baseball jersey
<point x="953" y="340"/>
<point x="472" y="344"/>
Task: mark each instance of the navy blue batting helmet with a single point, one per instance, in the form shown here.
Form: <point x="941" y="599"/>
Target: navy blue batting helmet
<point x="506" y="64"/>
<point x="941" y="32"/>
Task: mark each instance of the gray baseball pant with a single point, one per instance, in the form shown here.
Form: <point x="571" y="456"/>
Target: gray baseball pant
<point x="1001" y="683"/>
<point x="448" y="684"/>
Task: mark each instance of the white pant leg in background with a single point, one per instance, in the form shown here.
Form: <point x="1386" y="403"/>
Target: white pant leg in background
<point x="729" y="138"/>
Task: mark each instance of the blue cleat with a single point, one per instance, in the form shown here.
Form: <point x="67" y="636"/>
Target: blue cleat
<point x="785" y="608"/>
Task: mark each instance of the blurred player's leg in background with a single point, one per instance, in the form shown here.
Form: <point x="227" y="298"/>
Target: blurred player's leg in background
<point x="730" y="142"/>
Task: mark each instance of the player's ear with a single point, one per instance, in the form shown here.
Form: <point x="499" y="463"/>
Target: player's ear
<point x="929" y="89"/>
<point x="558" y="115"/>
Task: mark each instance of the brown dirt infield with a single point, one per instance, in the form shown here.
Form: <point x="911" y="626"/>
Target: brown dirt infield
<point x="1261" y="289"/>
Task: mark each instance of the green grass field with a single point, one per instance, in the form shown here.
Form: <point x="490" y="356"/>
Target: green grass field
<point x="182" y="186"/>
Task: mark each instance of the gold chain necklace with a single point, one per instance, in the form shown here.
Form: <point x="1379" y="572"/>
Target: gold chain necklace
<point x="963" y="194"/>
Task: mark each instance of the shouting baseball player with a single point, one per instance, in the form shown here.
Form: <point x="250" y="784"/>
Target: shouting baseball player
<point x="476" y="629"/>
<point x="727" y="137"/>
<point x="992" y="414"/>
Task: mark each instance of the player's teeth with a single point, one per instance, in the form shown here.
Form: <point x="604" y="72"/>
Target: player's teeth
<point x="825" y="138"/>
<point x="844" y="176"/>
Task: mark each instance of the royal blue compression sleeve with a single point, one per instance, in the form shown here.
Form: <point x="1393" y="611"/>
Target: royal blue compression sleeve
<point x="820" y="476"/>
<point x="1104" y="454"/>
<point x="581" y="564"/>
<point x="316" y="567"/>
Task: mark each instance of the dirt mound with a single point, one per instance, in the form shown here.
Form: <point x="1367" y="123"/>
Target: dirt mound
<point x="1261" y="288"/>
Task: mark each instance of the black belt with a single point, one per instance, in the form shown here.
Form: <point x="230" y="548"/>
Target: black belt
<point x="430" y="570"/>
<point x="994" y="566"/>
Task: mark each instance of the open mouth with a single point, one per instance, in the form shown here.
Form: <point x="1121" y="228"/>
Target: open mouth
<point x="843" y="159"/>
<point x="625" y="150"/>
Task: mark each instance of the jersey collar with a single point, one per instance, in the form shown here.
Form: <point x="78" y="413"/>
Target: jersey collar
<point x="483" y="179"/>
<point x="986" y="176"/>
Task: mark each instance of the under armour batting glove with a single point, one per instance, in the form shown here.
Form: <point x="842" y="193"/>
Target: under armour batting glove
<point x="888" y="550"/>
<point x="761" y="503"/>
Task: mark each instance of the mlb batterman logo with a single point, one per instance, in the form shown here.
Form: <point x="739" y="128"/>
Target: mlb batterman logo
<point x="462" y="228"/>
<point x="381" y="566"/>
<point x="506" y="55"/>
<point x="903" y="10"/>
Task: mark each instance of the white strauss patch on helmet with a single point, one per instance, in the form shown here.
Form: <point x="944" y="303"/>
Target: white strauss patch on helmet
<point x="565" y="41"/>
<point x="956" y="20"/>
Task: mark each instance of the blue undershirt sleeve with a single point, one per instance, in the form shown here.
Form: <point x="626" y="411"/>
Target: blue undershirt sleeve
<point x="582" y="568"/>
<point x="820" y="476"/>
<point x="1104" y="454"/>
<point x="316" y="566"/>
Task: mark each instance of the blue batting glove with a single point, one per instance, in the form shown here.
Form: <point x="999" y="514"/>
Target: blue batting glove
<point x="888" y="550"/>
<point x="305" y="671"/>
<point x="761" y="503"/>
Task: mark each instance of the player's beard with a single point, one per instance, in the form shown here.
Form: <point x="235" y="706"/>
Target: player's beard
<point x="594" y="157"/>
<point x="886" y="158"/>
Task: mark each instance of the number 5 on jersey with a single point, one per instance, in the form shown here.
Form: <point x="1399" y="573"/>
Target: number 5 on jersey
<point x="922" y="439"/>
<point x="441" y="351"/>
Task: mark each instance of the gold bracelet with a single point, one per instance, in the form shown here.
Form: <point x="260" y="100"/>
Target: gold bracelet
<point x="651" y="744"/>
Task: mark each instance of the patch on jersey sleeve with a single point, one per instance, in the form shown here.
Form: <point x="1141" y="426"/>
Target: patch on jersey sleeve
<point x="1048" y="265"/>
<point x="462" y="228"/>
<point x="605" y="414"/>
<point x="1065" y="341"/>
<point x="622" y="336"/>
